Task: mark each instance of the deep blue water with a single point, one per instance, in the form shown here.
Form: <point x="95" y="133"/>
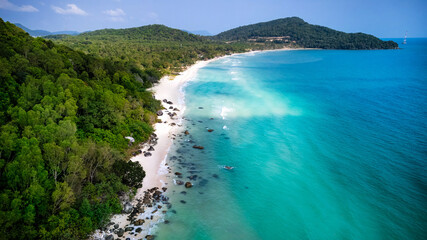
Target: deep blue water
<point x="325" y="144"/>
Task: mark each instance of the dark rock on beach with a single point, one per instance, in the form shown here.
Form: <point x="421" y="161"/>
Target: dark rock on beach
<point x="150" y="148"/>
<point x="147" y="154"/>
<point x="120" y="232"/>
<point x="188" y="185"/>
<point x="159" y="113"/>
<point x="109" y="237"/>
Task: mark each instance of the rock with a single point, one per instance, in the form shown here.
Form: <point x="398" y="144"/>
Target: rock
<point x="159" y="113"/>
<point x="159" y="207"/>
<point x="186" y="132"/>
<point x="188" y="185"/>
<point x="164" y="189"/>
<point x="169" y="102"/>
<point x="128" y="208"/>
<point x="182" y="201"/>
<point x="116" y="226"/>
<point x="200" y="107"/>
<point x="120" y="232"/>
<point x="128" y="229"/>
<point x="138" y="230"/>
<point x="149" y="237"/>
<point x="215" y="175"/>
<point x="147" y="154"/>
<point x="179" y="182"/>
<point x="109" y="237"/>
<point x="193" y="177"/>
<point x="210" y="130"/>
<point x="178" y="173"/>
<point x="165" y="100"/>
<point x="184" y="192"/>
<point x="166" y="221"/>
<point x="176" y="109"/>
<point x="170" y="107"/>
<point x="198" y="147"/>
<point x="139" y="222"/>
<point x="150" y="148"/>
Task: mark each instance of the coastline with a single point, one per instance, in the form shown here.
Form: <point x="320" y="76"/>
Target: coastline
<point x="170" y="92"/>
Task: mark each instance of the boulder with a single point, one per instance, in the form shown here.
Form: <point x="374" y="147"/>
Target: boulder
<point x="179" y="182"/>
<point x="127" y="208"/>
<point x="186" y="132"/>
<point x="138" y="230"/>
<point x="159" y="113"/>
<point x="147" y="154"/>
<point x="150" y="148"/>
<point x="188" y="185"/>
<point x="165" y="100"/>
<point x="183" y="202"/>
<point x="139" y="222"/>
<point x="116" y="226"/>
<point x="178" y="173"/>
<point x="109" y="237"/>
<point x="128" y="229"/>
<point x="193" y="177"/>
<point x="120" y="232"/>
<point x="149" y="237"/>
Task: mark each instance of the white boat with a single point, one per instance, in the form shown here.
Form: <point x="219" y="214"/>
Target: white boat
<point x="404" y="40"/>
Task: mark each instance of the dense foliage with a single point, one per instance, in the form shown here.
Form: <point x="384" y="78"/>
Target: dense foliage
<point x="63" y="118"/>
<point x="305" y="35"/>
<point x="153" y="46"/>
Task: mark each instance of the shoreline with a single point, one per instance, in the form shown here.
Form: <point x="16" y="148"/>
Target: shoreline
<point x="170" y="93"/>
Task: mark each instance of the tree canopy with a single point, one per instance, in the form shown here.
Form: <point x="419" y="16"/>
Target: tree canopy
<point x="64" y="116"/>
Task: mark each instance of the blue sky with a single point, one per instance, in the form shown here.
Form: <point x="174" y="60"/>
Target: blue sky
<point x="383" y="18"/>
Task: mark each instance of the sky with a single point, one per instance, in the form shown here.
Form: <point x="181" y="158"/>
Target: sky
<point x="382" y="18"/>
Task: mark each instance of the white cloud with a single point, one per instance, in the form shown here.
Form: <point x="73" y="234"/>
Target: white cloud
<point x="5" y="4"/>
<point x="115" y="13"/>
<point x="71" y="9"/>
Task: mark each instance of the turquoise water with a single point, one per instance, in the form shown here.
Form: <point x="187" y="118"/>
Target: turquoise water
<point x="324" y="145"/>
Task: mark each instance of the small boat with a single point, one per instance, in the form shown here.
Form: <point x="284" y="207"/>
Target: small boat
<point x="228" y="167"/>
<point x="404" y="40"/>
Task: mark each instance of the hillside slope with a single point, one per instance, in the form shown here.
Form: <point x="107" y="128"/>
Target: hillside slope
<point x="297" y="31"/>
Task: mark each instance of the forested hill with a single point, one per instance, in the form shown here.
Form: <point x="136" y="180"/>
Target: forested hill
<point x="297" y="31"/>
<point x="64" y="116"/>
<point x="153" y="46"/>
<point x="155" y="32"/>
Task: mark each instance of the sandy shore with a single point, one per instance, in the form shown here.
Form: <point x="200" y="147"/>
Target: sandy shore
<point x="155" y="166"/>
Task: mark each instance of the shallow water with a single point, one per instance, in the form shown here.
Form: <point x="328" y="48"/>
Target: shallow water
<point x="324" y="145"/>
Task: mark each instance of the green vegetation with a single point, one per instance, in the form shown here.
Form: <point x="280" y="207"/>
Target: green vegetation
<point x="296" y="31"/>
<point x="153" y="47"/>
<point x="63" y="118"/>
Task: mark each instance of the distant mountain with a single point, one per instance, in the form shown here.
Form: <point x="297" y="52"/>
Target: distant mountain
<point x="41" y="33"/>
<point x="296" y="31"/>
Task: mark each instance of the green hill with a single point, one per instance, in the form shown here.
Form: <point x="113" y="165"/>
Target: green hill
<point x="152" y="46"/>
<point x="154" y="32"/>
<point x="296" y="31"/>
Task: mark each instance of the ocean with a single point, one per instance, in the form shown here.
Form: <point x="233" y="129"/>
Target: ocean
<point x="323" y="144"/>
